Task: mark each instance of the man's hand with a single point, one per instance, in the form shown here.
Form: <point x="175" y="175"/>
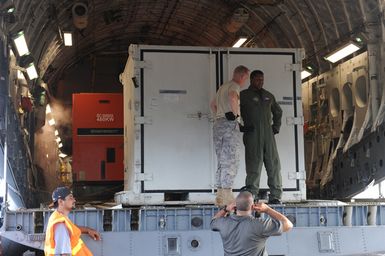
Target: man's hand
<point x="231" y="207"/>
<point x="223" y="212"/>
<point x="95" y="235"/>
<point x="260" y="207"/>
<point x="230" y="116"/>
<point x="275" y="130"/>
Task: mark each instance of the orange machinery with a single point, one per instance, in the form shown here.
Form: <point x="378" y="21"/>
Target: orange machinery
<point x="97" y="151"/>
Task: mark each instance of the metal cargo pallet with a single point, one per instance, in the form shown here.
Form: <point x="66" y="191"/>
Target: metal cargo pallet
<point x="186" y="230"/>
<point x="193" y="218"/>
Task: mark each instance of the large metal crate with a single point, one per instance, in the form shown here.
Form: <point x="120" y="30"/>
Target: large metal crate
<point x="168" y="166"/>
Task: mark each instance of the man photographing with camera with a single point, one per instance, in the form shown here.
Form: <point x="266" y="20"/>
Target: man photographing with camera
<point x="242" y="233"/>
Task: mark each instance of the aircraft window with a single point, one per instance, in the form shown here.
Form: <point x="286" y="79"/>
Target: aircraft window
<point x="335" y="103"/>
<point x="348" y="97"/>
<point x="361" y="94"/>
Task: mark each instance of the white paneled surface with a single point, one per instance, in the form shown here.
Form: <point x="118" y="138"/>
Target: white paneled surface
<point x="173" y="144"/>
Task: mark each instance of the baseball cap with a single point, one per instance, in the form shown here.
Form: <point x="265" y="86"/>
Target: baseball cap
<point x="60" y="193"/>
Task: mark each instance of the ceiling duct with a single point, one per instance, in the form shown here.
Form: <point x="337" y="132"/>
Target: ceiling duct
<point x="237" y="20"/>
<point x="80" y="15"/>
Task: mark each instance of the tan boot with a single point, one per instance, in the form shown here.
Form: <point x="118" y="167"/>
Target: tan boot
<point x="228" y="196"/>
<point x="219" y="198"/>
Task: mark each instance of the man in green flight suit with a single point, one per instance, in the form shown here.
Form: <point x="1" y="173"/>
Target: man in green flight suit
<point x="262" y="120"/>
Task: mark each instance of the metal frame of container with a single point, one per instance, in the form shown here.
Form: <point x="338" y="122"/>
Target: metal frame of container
<point x="155" y="77"/>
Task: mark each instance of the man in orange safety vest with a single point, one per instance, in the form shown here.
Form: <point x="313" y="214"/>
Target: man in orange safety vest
<point x="62" y="236"/>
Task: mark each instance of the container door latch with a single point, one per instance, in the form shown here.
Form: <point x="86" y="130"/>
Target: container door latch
<point x="144" y="177"/>
<point x="297" y="175"/>
<point x="291" y="120"/>
<point x="143" y="120"/>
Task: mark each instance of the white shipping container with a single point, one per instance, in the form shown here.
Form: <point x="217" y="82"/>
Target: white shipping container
<point x="169" y="152"/>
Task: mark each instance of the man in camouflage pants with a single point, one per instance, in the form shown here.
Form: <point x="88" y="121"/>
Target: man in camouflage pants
<point x="227" y="138"/>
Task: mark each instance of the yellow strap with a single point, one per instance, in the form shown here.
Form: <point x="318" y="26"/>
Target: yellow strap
<point x="49" y="251"/>
<point x="77" y="248"/>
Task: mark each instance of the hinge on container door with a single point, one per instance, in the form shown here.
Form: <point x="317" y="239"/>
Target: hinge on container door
<point x="302" y="54"/>
<point x="144" y="177"/>
<point x="142" y="64"/>
<point x="143" y="120"/>
<point x="301" y="175"/>
<point x="293" y="67"/>
<point x="291" y="120"/>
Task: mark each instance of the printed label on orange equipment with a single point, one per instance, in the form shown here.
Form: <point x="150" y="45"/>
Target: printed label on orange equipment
<point x="104" y="117"/>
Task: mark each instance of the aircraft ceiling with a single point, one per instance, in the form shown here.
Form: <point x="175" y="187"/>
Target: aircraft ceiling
<point x="318" y="26"/>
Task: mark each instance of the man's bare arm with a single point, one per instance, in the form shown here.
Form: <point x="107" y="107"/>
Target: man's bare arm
<point x="213" y="106"/>
<point x="223" y="213"/>
<point x="234" y="104"/>
<point x="91" y="232"/>
<point x="261" y="207"/>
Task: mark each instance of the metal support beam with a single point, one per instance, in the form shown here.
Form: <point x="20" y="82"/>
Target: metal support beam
<point x="4" y="94"/>
<point x="380" y="118"/>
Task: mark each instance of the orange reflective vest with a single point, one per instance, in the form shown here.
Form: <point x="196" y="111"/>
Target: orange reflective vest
<point x="77" y="245"/>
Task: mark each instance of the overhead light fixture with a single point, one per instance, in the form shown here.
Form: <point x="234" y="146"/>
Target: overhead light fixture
<point x="342" y="52"/>
<point x="305" y="73"/>
<point x="31" y="71"/>
<point x="240" y="41"/>
<point x="7" y="12"/>
<point x="56" y="133"/>
<point x="358" y="39"/>
<point x="62" y="155"/>
<point x="67" y="38"/>
<point x="51" y="122"/>
<point x="21" y="44"/>
<point x="58" y="140"/>
<point x="60" y="145"/>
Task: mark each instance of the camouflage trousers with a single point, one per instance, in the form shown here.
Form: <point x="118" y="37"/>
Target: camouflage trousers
<point x="227" y="142"/>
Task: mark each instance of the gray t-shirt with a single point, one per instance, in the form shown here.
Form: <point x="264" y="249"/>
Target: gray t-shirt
<point x="245" y="235"/>
<point x="62" y="239"/>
